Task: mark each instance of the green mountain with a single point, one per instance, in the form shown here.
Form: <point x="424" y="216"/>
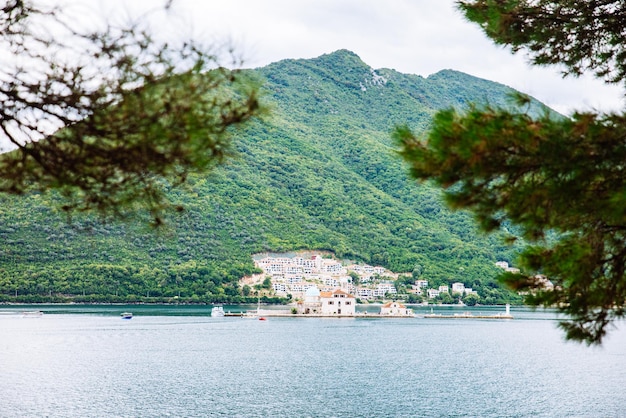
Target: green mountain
<point x="319" y="173"/>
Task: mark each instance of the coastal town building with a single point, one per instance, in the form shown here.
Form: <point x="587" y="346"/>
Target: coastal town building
<point x="421" y="284"/>
<point x="297" y="274"/>
<point x="416" y="290"/>
<point x="505" y="266"/>
<point x="458" y="288"/>
<point x="294" y="275"/>
<point x="502" y="264"/>
<point x="384" y="289"/>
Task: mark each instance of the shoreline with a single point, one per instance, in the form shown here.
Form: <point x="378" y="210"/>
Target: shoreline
<point x="441" y="305"/>
<point x="467" y="316"/>
<point x="269" y="314"/>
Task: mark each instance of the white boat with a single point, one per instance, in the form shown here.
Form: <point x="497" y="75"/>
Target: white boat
<point x="126" y="315"/>
<point x="32" y="314"/>
<point x="217" y="311"/>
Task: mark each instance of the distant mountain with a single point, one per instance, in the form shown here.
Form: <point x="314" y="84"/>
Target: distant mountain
<point x="319" y="173"/>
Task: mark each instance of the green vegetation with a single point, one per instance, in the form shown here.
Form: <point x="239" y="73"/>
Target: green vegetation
<point x="320" y="173"/>
<point x="559" y="181"/>
<point x="105" y="117"/>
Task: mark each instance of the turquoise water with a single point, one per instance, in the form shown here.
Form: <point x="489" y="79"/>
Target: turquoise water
<point x="177" y="361"/>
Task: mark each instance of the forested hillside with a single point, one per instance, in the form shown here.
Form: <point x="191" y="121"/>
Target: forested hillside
<point x="319" y="172"/>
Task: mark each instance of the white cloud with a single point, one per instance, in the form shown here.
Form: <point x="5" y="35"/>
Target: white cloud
<point x="410" y="36"/>
<point x="416" y="37"/>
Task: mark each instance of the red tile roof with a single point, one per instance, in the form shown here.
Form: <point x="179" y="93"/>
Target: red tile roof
<point x="336" y="292"/>
<point x="388" y="305"/>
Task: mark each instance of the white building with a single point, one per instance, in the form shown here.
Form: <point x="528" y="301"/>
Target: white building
<point x="432" y="293"/>
<point x="384" y="288"/>
<point x="301" y="287"/>
<point x="365" y="278"/>
<point x="279" y="287"/>
<point x="421" y="283"/>
<point x="338" y="303"/>
<point x="311" y="303"/>
<point x="331" y="281"/>
<point x="502" y="264"/>
<point x="333" y="267"/>
<point x="458" y="288"/>
<point x="379" y="270"/>
<point x="416" y="289"/>
<point x="395" y="309"/>
<point x="335" y="303"/>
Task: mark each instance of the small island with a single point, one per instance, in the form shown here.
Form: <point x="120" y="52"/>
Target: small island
<point x="335" y="304"/>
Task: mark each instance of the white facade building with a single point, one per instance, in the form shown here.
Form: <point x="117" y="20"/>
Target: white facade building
<point x="502" y="264"/>
<point x="338" y="303"/>
<point x="421" y="283"/>
<point x="458" y="288"/>
<point x="364" y="293"/>
<point x="335" y="303"/>
<point x="395" y="309"/>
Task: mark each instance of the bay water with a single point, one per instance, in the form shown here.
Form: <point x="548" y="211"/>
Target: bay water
<point x="85" y="361"/>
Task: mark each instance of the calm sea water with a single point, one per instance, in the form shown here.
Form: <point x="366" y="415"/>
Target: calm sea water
<point x="166" y="361"/>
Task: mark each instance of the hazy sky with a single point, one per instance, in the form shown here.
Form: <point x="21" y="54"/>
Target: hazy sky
<point x="411" y="36"/>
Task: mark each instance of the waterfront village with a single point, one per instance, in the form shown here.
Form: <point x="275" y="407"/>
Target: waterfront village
<point x="327" y="287"/>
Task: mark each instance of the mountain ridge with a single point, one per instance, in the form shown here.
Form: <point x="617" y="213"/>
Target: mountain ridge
<point x="320" y="173"/>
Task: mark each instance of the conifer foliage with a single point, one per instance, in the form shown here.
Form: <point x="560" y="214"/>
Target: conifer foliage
<point x="561" y="181"/>
<point x="109" y="116"/>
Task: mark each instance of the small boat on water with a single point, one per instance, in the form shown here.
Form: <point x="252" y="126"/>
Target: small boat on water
<point x="126" y="315"/>
<point x="32" y="314"/>
<point x="217" y="311"/>
<point x="262" y="318"/>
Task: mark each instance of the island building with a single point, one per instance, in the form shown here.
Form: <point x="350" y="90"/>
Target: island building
<point x="336" y="303"/>
<point x="395" y="309"/>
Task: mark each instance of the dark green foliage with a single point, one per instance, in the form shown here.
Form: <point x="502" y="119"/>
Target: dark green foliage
<point x="580" y="35"/>
<point x="555" y="176"/>
<point x="471" y="299"/>
<point x="558" y="181"/>
<point x="105" y="117"/>
<point x="320" y="173"/>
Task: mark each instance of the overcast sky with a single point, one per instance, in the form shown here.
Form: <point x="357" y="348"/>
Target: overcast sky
<point x="411" y="36"/>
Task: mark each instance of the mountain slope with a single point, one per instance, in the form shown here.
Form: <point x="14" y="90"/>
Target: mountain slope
<point x="319" y="173"/>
